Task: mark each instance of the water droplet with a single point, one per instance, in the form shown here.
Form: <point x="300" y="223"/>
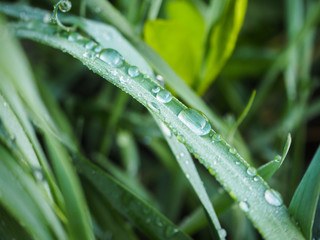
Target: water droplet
<point x="222" y="233"/>
<point x="216" y="137"/>
<point x="160" y="80"/>
<point x="232" y="150"/>
<point x="164" y="96"/>
<point x="133" y="71"/>
<point x="277" y="158"/>
<point x="181" y="154"/>
<point x="154" y="106"/>
<point x="73" y="37"/>
<point x="237" y="163"/>
<point x="251" y="171"/>
<point x="156" y="89"/>
<point x="159" y="222"/>
<point x="97" y="48"/>
<point x="180" y="138"/>
<point x="187" y="162"/>
<point x="195" y="121"/>
<point x="90" y="45"/>
<point x="112" y="57"/>
<point x="5" y="104"/>
<point x="47" y="18"/>
<point x="215" y="162"/>
<point x="166" y="130"/>
<point x="170" y="231"/>
<point x="65" y="6"/>
<point x="38" y="174"/>
<point x="187" y="176"/>
<point x="89" y="54"/>
<point x="273" y="197"/>
<point x="256" y="179"/>
<point x="244" y="206"/>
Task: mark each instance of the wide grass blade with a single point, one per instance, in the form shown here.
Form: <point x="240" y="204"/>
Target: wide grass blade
<point x="304" y="202"/>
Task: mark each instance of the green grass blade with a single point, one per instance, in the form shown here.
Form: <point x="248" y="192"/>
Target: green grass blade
<point x="234" y="177"/>
<point x="79" y="225"/>
<point x="304" y="202"/>
<point x="186" y="163"/>
<point x="139" y="213"/>
<point x="15" y="198"/>
<point x="267" y="170"/>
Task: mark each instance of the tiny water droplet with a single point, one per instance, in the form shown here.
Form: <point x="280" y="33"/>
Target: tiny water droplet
<point x="47" y="18"/>
<point x="187" y="162"/>
<point x="90" y="45"/>
<point x="256" y="179"/>
<point x="187" y="176"/>
<point x="216" y="137"/>
<point x="73" y="37"/>
<point x="159" y="222"/>
<point x="222" y="233"/>
<point x="154" y="106"/>
<point x="38" y="174"/>
<point x="170" y="231"/>
<point x="164" y="96"/>
<point x="5" y="104"/>
<point x="277" y="158"/>
<point x="133" y="71"/>
<point x="244" y="206"/>
<point x="195" y="121"/>
<point x="166" y="130"/>
<point x="215" y="162"/>
<point x="273" y="197"/>
<point x="97" y="48"/>
<point x="156" y="89"/>
<point x="180" y="138"/>
<point x="251" y="171"/>
<point x="89" y="54"/>
<point x="237" y="163"/>
<point x="65" y="6"/>
<point x="160" y="80"/>
<point x="232" y="150"/>
<point x="181" y="154"/>
<point x="111" y="56"/>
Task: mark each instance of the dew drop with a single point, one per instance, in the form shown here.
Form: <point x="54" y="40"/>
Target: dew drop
<point x="156" y="89"/>
<point x="5" y="104"/>
<point x="244" y="206"/>
<point x="273" y="197"/>
<point x="166" y="130"/>
<point x="187" y="176"/>
<point x="65" y="6"/>
<point x="277" y="158"/>
<point x="216" y="137"/>
<point x="222" y="233"/>
<point x="89" y="54"/>
<point x="73" y="37"/>
<point x="256" y="179"/>
<point x="232" y="150"/>
<point x="160" y="80"/>
<point x="195" y="121"/>
<point x="154" y="106"/>
<point x="97" y="48"/>
<point x="170" y="231"/>
<point x="47" y="18"/>
<point x="133" y="71"/>
<point x="38" y="174"/>
<point x="251" y="171"/>
<point x="237" y="163"/>
<point x="164" y="96"/>
<point x="90" y="45"/>
<point x="112" y="57"/>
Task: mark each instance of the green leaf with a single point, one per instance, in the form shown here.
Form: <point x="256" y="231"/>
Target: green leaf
<point x="25" y="201"/>
<point x="188" y="167"/>
<point x="234" y="177"/>
<point x="222" y="41"/>
<point x="267" y="170"/>
<point x="79" y="225"/>
<point x="178" y="40"/>
<point x="138" y="212"/>
<point x="304" y="202"/>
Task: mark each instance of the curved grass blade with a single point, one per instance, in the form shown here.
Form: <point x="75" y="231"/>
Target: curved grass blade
<point x="186" y="163"/>
<point x="267" y="217"/>
<point x="139" y="213"/>
<point x="304" y="202"/>
<point x="267" y="170"/>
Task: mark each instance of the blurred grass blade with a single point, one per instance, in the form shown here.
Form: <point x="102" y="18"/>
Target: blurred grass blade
<point x="223" y="38"/>
<point x="138" y="212"/>
<point x="234" y="177"/>
<point x="79" y="224"/>
<point x="304" y="202"/>
<point x="267" y="170"/>
<point x="18" y="202"/>
<point x="316" y="223"/>
<point x="188" y="167"/>
<point x="242" y="116"/>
